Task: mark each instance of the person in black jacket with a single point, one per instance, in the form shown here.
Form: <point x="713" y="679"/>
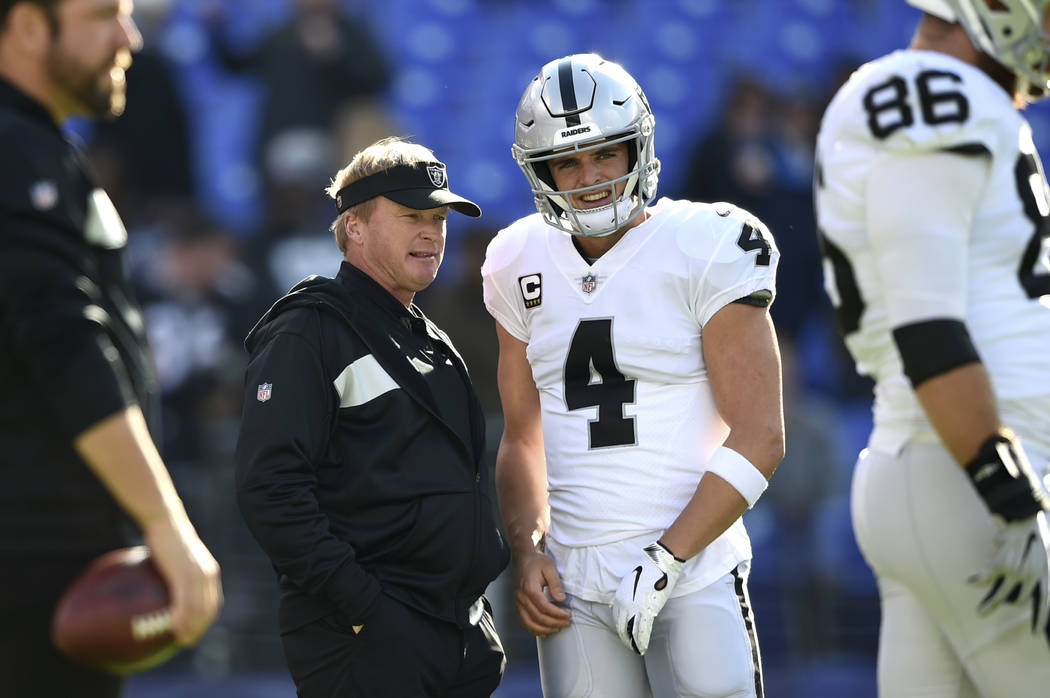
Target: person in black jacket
<point x="79" y="467"/>
<point x="359" y="461"/>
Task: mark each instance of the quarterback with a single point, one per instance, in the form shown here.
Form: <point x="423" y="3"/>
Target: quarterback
<point x="640" y="381"/>
<point x="935" y="222"/>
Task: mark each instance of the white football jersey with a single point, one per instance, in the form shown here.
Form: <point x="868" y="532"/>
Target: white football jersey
<point x="615" y="350"/>
<point x="914" y="102"/>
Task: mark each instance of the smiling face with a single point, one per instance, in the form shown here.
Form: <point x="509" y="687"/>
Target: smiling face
<point x="400" y="247"/>
<point x="585" y="169"/>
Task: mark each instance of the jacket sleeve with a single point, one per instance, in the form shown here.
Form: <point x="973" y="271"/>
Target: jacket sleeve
<point x="284" y="429"/>
<point x="54" y="324"/>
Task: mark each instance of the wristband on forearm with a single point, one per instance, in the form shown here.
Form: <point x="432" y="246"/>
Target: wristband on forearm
<point x="1005" y="479"/>
<point x="738" y="472"/>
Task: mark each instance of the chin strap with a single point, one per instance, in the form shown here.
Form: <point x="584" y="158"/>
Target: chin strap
<point x="605" y="220"/>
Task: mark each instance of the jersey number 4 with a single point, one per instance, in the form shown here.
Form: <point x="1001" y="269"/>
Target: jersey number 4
<point x="751" y="238"/>
<point x="591" y="352"/>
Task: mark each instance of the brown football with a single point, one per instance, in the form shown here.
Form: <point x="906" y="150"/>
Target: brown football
<point x="116" y="615"/>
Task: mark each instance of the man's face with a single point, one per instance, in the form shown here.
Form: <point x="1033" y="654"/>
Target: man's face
<point x="90" y="52"/>
<point x="399" y="247"/>
<point x="591" y="167"/>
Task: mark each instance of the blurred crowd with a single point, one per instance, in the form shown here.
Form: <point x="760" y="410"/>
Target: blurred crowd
<point x="240" y="111"/>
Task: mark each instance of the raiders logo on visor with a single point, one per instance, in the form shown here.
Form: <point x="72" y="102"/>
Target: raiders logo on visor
<point x="417" y="185"/>
<point x="437" y="175"/>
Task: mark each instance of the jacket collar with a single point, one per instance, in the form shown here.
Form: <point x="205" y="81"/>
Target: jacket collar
<point x="18" y="101"/>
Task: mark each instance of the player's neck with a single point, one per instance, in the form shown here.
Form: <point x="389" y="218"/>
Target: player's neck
<point x="937" y="35"/>
<point x="951" y="39"/>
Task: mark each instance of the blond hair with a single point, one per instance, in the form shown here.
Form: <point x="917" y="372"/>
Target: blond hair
<point x="381" y="155"/>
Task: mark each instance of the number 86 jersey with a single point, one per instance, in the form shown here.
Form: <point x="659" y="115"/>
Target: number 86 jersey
<point x="993" y="274"/>
<point x="615" y="351"/>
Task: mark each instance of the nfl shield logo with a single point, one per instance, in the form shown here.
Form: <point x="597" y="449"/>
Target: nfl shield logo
<point x="589" y="283"/>
<point x="437" y="175"/>
<point x="264" y="392"/>
<point x="44" y="195"/>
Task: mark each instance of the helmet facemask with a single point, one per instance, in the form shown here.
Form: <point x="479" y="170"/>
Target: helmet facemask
<point x="1030" y="61"/>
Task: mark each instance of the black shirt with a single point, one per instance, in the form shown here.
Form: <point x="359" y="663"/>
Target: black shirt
<point x="72" y="345"/>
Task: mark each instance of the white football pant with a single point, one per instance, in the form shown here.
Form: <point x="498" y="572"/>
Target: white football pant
<point x="924" y="530"/>
<point x="703" y="645"/>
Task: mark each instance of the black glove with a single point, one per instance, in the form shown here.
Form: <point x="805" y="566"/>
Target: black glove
<point x="1020" y="567"/>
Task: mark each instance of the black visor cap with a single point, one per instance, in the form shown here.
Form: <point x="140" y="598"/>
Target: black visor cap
<point x="420" y="186"/>
<point x="432" y="198"/>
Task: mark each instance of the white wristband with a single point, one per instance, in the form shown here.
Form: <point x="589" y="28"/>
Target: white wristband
<point x="738" y="472"/>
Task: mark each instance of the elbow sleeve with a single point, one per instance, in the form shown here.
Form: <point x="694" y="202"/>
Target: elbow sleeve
<point x="932" y="347"/>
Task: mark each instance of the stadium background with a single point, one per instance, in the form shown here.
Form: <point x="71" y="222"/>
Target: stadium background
<point x="219" y="171"/>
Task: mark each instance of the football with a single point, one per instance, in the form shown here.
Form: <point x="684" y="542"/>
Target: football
<point x="116" y="615"/>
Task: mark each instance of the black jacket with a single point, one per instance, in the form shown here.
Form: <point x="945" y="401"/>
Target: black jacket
<point x="352" y="474"/>
<point x="72" y="346"/>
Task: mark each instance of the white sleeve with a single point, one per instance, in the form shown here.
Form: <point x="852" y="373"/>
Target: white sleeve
<point x="502" y="298"/>
<point x="503" y="309"/>
<point x="920" y="209"/>
<point x="734" y="272"/>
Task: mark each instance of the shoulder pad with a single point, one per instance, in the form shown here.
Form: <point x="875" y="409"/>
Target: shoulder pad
<point x="710" y="226"/>
<point x="509" y="243"/>
<point x="919" y="101"/>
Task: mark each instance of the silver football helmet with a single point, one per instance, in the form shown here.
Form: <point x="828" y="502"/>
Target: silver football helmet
<point x="576" y="104"/>
<point x="1013" y="32"/>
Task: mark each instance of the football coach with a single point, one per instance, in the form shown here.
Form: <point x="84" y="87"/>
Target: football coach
<point x="79" y="468"/>
<point x="359" y="459"/>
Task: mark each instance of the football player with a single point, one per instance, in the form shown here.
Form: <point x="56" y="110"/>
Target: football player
<point x="933" y="209"/>
<point x="640" y="381"/>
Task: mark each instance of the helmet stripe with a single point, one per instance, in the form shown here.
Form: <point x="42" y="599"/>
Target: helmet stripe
<point x="568" y="92"/>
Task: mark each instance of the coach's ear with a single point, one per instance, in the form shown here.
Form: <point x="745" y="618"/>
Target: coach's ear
<point x="352" y="226"/>
<point x="27" y="31"/>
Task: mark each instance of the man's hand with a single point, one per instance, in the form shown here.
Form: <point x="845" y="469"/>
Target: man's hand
<point x="536" y="576"/>
<point x="643" y="593"/>
<point x="1020" y="569"/>
<point x="192" y="575"/>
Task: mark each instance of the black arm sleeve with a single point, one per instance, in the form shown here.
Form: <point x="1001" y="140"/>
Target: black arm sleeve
<point x="57" y="331"/>
<point x="932" y="347"/>
<point x="282" y="438"/>
<point x="759" y="299"/>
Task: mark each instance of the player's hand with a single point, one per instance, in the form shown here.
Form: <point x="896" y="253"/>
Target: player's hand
<point x="643" y="593"/>
<point x="1019" y="570"/>
<point x="191" y="572"/>
<point x="538" y="591"/>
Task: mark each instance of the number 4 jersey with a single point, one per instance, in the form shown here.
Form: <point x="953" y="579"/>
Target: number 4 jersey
<point x="615" y="350"/>
<point x="979" y="256"/>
